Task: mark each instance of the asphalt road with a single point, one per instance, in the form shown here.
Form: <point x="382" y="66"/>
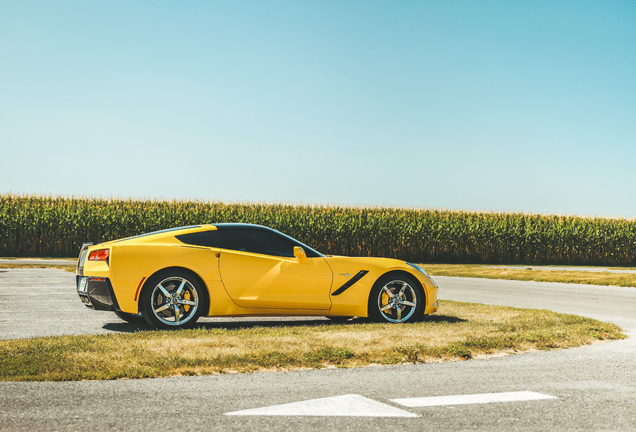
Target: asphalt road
<point x="594" y="387"/>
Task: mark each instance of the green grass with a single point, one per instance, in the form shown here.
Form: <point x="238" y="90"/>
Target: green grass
<point x="459" y="331"/>
<point x="524" y="274"/>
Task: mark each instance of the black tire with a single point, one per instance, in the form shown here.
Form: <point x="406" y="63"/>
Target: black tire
<point x="396" y="298"/>
<point x="172" y="299"/>
<point x="131" y="318"/>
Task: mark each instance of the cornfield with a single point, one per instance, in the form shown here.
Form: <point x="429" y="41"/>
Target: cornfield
<point x="56" y="226"/>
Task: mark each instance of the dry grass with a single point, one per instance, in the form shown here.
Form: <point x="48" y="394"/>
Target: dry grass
<point x="525" y="274"/>
<point x="70" y="259"/>
<point x="68" y="268"/>
<point x="459" y="331"/>
<point x="479" y="271"/>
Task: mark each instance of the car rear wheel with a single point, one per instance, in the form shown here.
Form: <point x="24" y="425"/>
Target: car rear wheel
<point x="172" y="300"/>
<point x="395" y="299"/>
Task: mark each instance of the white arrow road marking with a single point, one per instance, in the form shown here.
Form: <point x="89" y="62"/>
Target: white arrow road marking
<point x="471" y="399"/>
<point x="351" y="405"/>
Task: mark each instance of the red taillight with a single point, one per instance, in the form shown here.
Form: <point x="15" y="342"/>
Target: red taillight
<point x="99" y="255"/>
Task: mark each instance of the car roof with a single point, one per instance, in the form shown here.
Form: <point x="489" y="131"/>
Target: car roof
<point x="232" y="225"/>
<point x="173" y="232"/>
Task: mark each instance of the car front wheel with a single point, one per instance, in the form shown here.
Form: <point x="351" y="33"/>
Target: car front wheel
<point x="172" y="300"/>
<point x="395" y="299"/>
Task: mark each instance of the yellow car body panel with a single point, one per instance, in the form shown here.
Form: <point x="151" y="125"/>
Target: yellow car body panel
<point x="150" y="259"/>
<point x="240" y="283"/>
<point x="270" y="282"/>
<point x="349" y="301"/>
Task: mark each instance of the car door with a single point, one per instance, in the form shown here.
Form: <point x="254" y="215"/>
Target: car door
<point x="259" y="270"/>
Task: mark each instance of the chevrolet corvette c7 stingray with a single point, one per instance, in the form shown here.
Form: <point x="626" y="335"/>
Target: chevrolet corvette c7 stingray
<point x="172" y="277"/>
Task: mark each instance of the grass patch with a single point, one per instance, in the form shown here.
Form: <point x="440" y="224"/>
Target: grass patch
<point x="524" y="274"/>
<point x="68" y="268"/>
<point x="459" y="331"/>
<point x="72" y="259"/>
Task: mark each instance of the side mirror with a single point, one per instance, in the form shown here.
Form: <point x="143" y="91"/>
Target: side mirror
<point x="300" y="255"/>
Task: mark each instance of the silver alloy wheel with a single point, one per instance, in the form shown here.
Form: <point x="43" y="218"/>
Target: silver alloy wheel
<point x="397" y="301"/>
<point x="174" y="301"/>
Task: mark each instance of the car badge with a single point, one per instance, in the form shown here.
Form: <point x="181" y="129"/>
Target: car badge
<point x="344" y="274"/>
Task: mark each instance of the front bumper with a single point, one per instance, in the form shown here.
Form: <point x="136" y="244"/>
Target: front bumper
<point x="96" y="293"/>
<point x="431" y="308"/>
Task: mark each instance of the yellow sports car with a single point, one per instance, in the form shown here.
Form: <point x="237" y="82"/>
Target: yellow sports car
<point x="170" y="278"/>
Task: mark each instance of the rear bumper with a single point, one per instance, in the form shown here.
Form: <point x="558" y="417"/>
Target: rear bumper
<point x="97" y="293"/>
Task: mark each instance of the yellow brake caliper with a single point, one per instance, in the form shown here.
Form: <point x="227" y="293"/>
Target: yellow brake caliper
<point x="187" y="296"/>
<point x="385" y="300"/>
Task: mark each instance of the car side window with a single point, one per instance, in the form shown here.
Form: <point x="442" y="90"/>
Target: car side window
<point x="276" y="245"/>
<point x="210" y="238"/>
<point x="257" y="241"/>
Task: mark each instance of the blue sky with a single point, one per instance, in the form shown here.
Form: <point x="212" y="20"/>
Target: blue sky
<point x="476" y="105"/>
